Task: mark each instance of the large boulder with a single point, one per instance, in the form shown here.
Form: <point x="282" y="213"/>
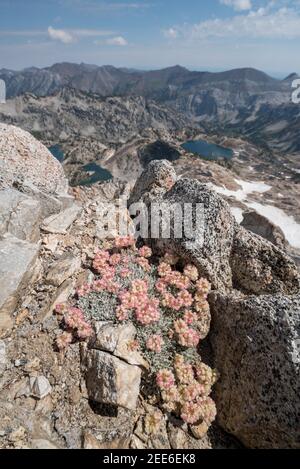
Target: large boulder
<point x="23" y="159"/>
<point x="263" y="227"/>
<point x="256" y="345"/>
<point x="225" y="253"/>
<point x="17" y="263"/>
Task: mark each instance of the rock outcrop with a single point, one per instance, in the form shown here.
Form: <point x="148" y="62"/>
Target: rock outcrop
<point x="255" y="338"/>
<point x="24" y="159"/>
<point x="32" y="186"/>
<point x="225" y="253"/>
<point x="256" y="346"/>
<point x="263" y="227"/>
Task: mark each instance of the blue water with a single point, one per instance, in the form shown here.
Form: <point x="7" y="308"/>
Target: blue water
<point x="57" y="152"/>
<point x="209" y="151"/>
<point x="100" y="174"/>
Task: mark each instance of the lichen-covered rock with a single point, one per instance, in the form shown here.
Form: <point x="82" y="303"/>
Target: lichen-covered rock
<point x="20" y="215"/>
<point x="110" y="380"/>
<point x="117" y="339"/>
<point x="256" y="345"/>
<point x="260" y="267"/>
<point x="224" y="253"/>
<point x="17" y="261"/>
<point x="263" y="227"/>
<point x="23" y="158"/>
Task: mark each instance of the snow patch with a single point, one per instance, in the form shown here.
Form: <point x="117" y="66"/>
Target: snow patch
<point x="247" y="188"/>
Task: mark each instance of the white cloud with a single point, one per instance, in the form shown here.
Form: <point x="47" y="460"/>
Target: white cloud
<point x="238" y="5"/>
<point x="113" y="41"/>
<point x="283" y="23"/>
<point x="170" y="33"/>
<point x="60" y="35"/>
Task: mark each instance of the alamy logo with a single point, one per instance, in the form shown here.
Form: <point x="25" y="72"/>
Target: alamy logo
<point x="296" y="93"/>
<point x="2" y="92"/>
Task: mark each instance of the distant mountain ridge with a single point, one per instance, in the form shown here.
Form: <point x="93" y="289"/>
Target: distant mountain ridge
<point x="240" y="101"/>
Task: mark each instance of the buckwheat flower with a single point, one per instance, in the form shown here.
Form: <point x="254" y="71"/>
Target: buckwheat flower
<point x="189" y="338"/>
<point x="165" y="379"/>
<point x="124" y="273"/>
<point x="145" y="251"/>
<point x="84" y="290"/>
<point x="161" y="286"/>
<point x="207" y="409"/>
<point x="152" y="422"/>
<point x="64" y="340"/>
<point x="204" y="374"/>
<point x="190" y="412"/>
<point x="191" y="272"/>
<point x="155" y="343"/>
<point x="139" y="286"/>
<point x="164" y="269"/>
<point x="148" y="313"/>
<point x="115" y="259"/>
<point x="186" y="298"/>
<point x="190" y="317"/>
<point x="144" y="263"/>
<point x="124" y="242"/>
<point x="73" y="318"/>
<point x="177" y="280"/>
<point x="201" y="306"/>
<point x="190" y="392"/>
<point x="121" y="313"/>
<point x="180" y="326"/>
<point x="170" y="395"/>
<point x="183" y="370"/>
<point x="170" y="258"/>
<point x="84" y="331"/>
<point x="61" y="308"/>
<point x="203" y="286"/>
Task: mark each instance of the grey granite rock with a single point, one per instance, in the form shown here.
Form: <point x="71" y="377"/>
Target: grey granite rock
<point x="17" y="261"/>
<point x="20" y="215"/>
<point x="23" y="158"/>
<point x="256" y="345"/>
<point x="60" y="222"/>
<point x="110" y="380"/>
<point x="225" y="253"/>
<point x="263" y="227"/>
<point x="62" y="269"/>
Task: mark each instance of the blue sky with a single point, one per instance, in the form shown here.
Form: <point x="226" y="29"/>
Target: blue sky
<point x="201" y="35"/>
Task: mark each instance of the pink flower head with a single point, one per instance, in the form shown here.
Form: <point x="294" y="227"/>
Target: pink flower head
<point x="84" y="290"/>
<point x="191" y="391"/>
<point x="155" y="343"/>
<point x="171" y="259"/>
<point x="203" y="287"/>
<point x="161" y="286"/>
<point x="144" y="263"/>
<point x="207" y="409"/>
<point x="73" y="318"/>
<point x="190" y="412"/>
<point x="180" y="326"/>
<point x="122" y="313"/>
<point x="115" y="259"/>
<point x="164" y="269"/>
<point x="124" y="273"/>
<point x="84" y="331"/>
<point x="191" y="272"/>
<point x="61" y="308"/>
<point x="125" y="242"/>
<point x="189" y="338"/>
<point x="64" y="340"/>
<point x="148" y="313"/>
<point x="145" y="251"/>
<point x="186" y="298"/>
<point x="165" y="379"/>
<point x="190" y="317"/>
<point x="139" y="286"/>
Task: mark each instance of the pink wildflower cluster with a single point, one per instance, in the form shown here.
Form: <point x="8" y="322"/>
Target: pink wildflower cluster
<point x="76" y="325"/>
<point x="137" y="299"/>
<point x="145" y="251"/>
<point x="185" y="393"/>
<point x="125" y="242"/>
<point x="155" y="343"/>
